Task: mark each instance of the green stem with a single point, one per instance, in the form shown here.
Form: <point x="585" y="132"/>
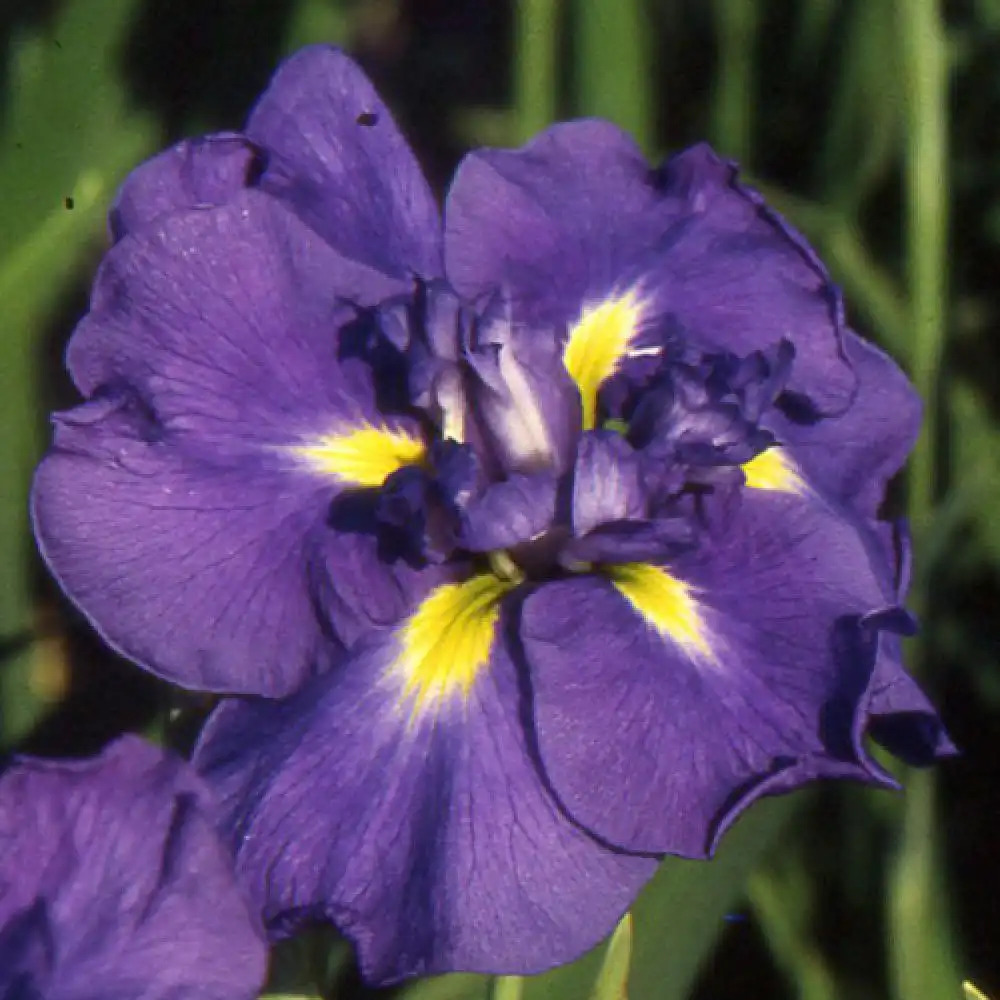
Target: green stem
<point x="732" y="113"/>
<point x="788" y="934"/>
<point x="924" y="67"/>
<point x="536" y="85"/>
<point x="612" y="65"/>
<point x="923" y="965"/>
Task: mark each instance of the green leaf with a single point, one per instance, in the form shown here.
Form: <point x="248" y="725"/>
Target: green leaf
<point x="612" y="67"/>
<point x="457" y="986"/>
<point x="68" y="138"/>
<point x="536" y="75"/>
<point x="733" y="103"/>
<point x="974" y="474"/>
<point x="612" y="980"/>
<point x="678" y="916"/>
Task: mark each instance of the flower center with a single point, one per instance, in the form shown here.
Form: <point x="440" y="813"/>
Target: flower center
<point x="518" y="474"/>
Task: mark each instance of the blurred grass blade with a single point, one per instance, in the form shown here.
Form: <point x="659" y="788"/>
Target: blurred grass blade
<point x="923" y="963"/>
<point x="612" y="65"/>
<point x="612" y="980"/>
<point x="329" y="20"/>
<point x="861" y="142"/>
<point x="68" y="138"/>
<point x="924" y="69"/>
<point x="812" y="30"/>
<point x="536" y="80"/>
<point x="456" y="986"/>
<point x="922" y="949"/>
<point x="678" y="916"/>
<point x="733" y="105"/>
<point x="783" y="898"/>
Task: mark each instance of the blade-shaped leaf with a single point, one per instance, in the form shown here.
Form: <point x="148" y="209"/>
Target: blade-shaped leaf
<point x="68" y="138"/>
<point x="612" y="980"/>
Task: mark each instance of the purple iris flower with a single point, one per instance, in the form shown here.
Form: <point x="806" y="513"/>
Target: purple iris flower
<point x="114" y="884"/>
<point x="547" y="532"/>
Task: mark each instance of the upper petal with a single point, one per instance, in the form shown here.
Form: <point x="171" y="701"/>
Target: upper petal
<point x="242" y="302"/>
<point x="183" y="507"/>
<point x="336" y="157"/>
<point x="680" y="701"/>
<point x="558" y="221"/>
<point x="193" y="173"/>
<point x="576" y="218"/>
<point x="120" y="887"/>
<point x="412" y="833"/>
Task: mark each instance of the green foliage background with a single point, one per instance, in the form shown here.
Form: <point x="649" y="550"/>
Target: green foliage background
<point x="871" y="124"/>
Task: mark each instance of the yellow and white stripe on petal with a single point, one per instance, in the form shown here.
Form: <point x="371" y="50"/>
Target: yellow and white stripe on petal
<point x="364" y="455"/>
<point x="666" y="604"/>
<point x="597" y="342"/>
<point x="446" y="642"/>
<point x="773" y="469"/>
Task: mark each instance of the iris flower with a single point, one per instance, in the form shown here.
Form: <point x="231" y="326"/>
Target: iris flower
<point x="114" y="884"/>
<point x="541" y="539"/>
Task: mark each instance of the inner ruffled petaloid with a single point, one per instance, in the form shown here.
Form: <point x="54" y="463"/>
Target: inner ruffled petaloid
<point x="554" y="450"/>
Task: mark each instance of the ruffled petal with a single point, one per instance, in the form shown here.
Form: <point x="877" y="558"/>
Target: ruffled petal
<point x="901" y="717"/>
<point x="607" y="482"/>
<point x="685" y="692"/>
<point x="336" y="157"/>
<point x="553" y="224"/>
<point x="851" y="457"/>
<point x="186" y="507"/>
<point x="576" y="223"/>
<point x="510" y="512"/>
<point x="413" y="834"/>
<point x="194" y="173"/>
<point x="113" y="883"/>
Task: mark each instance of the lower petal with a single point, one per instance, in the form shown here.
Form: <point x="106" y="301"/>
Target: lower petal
<point x="411" y="835"/>
<point x="678" y="733"/>
<point x="201" y="573"/>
